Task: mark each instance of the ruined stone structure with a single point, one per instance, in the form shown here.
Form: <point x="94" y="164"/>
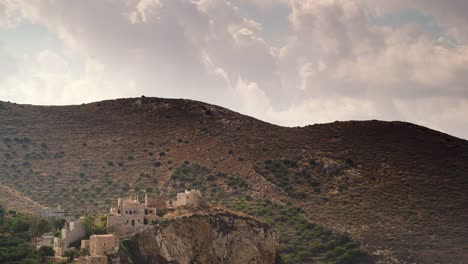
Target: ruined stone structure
<point x="130" y="215"/>
<point x="47" y="239"/>
<point x="99" y="248"/>
<point x="72" y="231"/>
<point x="192" y="197"/>
<point x="102" y="245"/>
<point x="58" y="213"/>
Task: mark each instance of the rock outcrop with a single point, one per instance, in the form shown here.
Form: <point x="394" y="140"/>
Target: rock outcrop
<point x="208" y="237"/>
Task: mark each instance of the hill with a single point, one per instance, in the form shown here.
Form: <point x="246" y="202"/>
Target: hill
<point x="397" y="188"/>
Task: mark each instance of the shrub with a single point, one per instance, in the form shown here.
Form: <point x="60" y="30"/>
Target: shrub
<point x="45" y="251"/>
<point x="351" y="256"/>
<point x="338" y="251"/>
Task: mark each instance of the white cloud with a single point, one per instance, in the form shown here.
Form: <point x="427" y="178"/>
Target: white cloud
<point x="333" y="64"/>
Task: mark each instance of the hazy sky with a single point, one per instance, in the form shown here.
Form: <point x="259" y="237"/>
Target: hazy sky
<point x="289" y="62"/>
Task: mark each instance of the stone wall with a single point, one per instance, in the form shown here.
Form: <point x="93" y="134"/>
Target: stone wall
<point x="73" y="231"/>
<point x="101" y="245"/>
<point x="130" y="215"/>
<point x="192" y="197"/>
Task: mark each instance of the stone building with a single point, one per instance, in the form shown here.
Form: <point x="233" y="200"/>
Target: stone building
<point x="47" y="239"/>
<point x="101" y="245"/>
<point x="192" y="197"/>
<point x="130" y="215"/>
<point x="73" y="231"/>
<point x="101" y="249"/>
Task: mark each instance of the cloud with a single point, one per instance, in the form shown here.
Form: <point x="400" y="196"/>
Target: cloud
<point x="47" y="78"/>
<point x="7" y="64"/>
<point x="334" y="63"/>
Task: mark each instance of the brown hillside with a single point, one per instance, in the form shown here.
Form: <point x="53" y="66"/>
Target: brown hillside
<point x="399" y="189"/>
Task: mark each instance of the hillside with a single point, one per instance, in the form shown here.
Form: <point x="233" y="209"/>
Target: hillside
<point x="204" y="236"/>
<point x="399" y="189"/>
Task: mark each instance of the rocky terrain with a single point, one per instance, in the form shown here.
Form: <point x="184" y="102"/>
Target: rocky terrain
<point x="215" y="236"/>
<point x="397" y="190"/>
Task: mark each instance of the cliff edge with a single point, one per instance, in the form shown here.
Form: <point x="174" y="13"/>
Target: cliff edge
<point x="217" y="236"/>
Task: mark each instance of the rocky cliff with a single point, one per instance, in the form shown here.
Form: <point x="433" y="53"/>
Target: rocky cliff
<point x="214" y="237"/>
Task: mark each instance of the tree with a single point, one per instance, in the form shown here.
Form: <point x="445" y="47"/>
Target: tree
<point x="95" y="224"/>
<point x="84" y="252"/>
<point x="58" y="223"/>
<point x="43" y="226"/>
<point x="2" y="215"/>
<point x="89" y="223"/>
<point x="44" y="252"/>
<point x="70" y="254"/>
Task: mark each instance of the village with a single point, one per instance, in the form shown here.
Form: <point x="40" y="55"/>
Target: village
<point x="127" y="218"/>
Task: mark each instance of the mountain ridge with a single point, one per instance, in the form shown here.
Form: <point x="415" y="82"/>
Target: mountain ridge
<point x="398" y="188"/>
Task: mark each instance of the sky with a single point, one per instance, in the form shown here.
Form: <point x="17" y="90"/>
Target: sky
<point x="288" y="62"/>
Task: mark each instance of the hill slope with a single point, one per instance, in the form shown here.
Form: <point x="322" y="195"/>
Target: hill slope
<point x="399" y="189"/>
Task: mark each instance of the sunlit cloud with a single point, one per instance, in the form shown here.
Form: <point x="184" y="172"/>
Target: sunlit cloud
<point x="329" y="59"/>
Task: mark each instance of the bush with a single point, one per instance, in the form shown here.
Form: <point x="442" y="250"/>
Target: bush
<point x="351" y="256"/>
<point x="15" y="250"/>
<point x="45" y="251"/>
<point x="338" y="251"/>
